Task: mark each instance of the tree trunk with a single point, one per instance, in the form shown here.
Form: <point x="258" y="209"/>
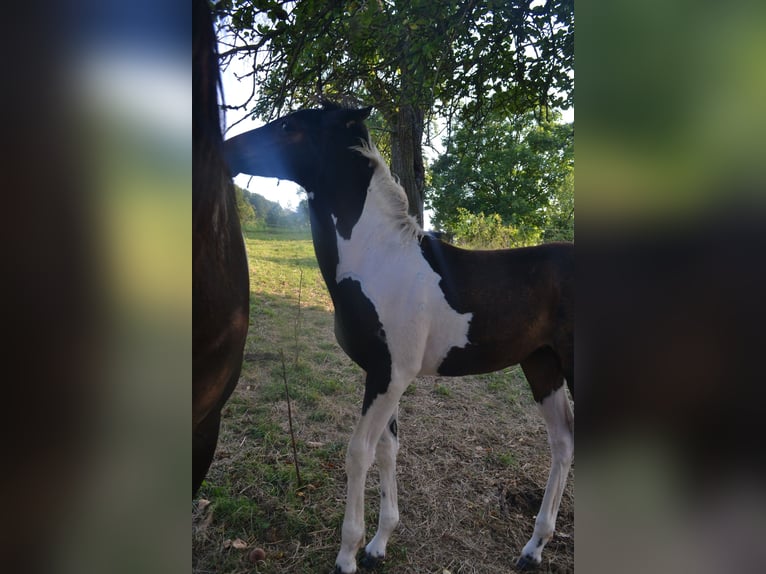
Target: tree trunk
<point x="407" y="155"/>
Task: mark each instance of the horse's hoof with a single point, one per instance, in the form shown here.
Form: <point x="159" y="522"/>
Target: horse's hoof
<point x="339" y="571"/>
<point x="526" y="563"/>
<point x="370" y="562"/>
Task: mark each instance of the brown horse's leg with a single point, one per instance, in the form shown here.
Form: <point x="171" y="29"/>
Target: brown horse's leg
<point x="544" y="373"/>
<point x="204" y="440"/>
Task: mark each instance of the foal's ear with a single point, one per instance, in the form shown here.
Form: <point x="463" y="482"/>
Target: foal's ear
<point x="357" y="116"/>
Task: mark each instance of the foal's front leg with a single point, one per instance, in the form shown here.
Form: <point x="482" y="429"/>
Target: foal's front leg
<point x="385" y="457"/>
<point x="359" y="457"/>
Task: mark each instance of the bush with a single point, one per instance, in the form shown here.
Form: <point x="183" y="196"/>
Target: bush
<point x="481" y="231"/>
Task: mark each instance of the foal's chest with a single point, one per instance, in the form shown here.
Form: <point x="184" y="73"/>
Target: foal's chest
<point x="404" y="290"/>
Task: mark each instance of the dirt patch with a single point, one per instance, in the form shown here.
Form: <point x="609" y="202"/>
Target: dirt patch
<point x="471" y="472"/>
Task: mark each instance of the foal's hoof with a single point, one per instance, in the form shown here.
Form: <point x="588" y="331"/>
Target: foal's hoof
<point x="370" y="562"/>
<point x="526" y="563"/>
<point x="338" y="570"/>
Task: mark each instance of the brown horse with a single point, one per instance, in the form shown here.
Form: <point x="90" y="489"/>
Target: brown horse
<point x="220" y="282"/>
<point x="407" y="304"/>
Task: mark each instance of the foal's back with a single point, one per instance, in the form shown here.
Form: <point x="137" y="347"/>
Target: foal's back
<point x="520" y="299"/>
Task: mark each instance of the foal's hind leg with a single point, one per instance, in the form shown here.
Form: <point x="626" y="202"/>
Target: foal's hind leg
<point x="544" y="375"/>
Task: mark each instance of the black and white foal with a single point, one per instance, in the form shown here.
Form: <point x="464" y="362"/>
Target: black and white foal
<point x="407" y="304"/>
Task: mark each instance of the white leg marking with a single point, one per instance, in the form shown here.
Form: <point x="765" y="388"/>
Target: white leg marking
<point x="361" y="450"/>
<point x="385" y="456"/>
<point x="560" y="422"/>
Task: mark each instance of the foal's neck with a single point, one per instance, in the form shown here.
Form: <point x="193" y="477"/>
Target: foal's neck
<point x="335" y="206"/>
<point x="341" y="194"/>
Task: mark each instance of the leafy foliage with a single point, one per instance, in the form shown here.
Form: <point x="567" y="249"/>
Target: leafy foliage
<point x="488" y="232"/>
<point x="422" y="52"/>
<point x="244" y="207"/>
<point x="413" y="60"/>
<point x="559" y="214"/>
<point x="518" y="168"/>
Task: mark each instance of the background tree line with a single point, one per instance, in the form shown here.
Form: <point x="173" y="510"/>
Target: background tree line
<point x="460" y="66"/>
<point x="255" y="211"/>
<point x="510" y="183"/>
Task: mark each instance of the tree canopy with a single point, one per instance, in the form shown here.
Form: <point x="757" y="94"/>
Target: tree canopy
<point x="518" y="167"/>
<point x="412" y="59"/>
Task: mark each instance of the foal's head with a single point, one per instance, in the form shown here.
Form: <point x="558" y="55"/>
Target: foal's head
<point x="309" y="147"/>
<point x="313" y="148"/>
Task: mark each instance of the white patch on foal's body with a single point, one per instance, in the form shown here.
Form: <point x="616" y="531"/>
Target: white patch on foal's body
<point x="420" y="325"/>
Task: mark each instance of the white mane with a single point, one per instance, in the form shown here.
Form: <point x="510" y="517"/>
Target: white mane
<point x="389" y="193"/>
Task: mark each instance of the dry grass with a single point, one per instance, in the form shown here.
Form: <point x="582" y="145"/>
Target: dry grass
<point x="472" y="465"/>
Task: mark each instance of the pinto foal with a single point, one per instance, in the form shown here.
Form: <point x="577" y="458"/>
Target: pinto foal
<point x="407" y="304"/>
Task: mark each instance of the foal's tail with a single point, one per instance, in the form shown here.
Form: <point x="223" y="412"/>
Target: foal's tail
<point x="564" y="259"/>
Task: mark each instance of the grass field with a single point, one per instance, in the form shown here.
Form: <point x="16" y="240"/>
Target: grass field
<point x="472" y="465"/>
